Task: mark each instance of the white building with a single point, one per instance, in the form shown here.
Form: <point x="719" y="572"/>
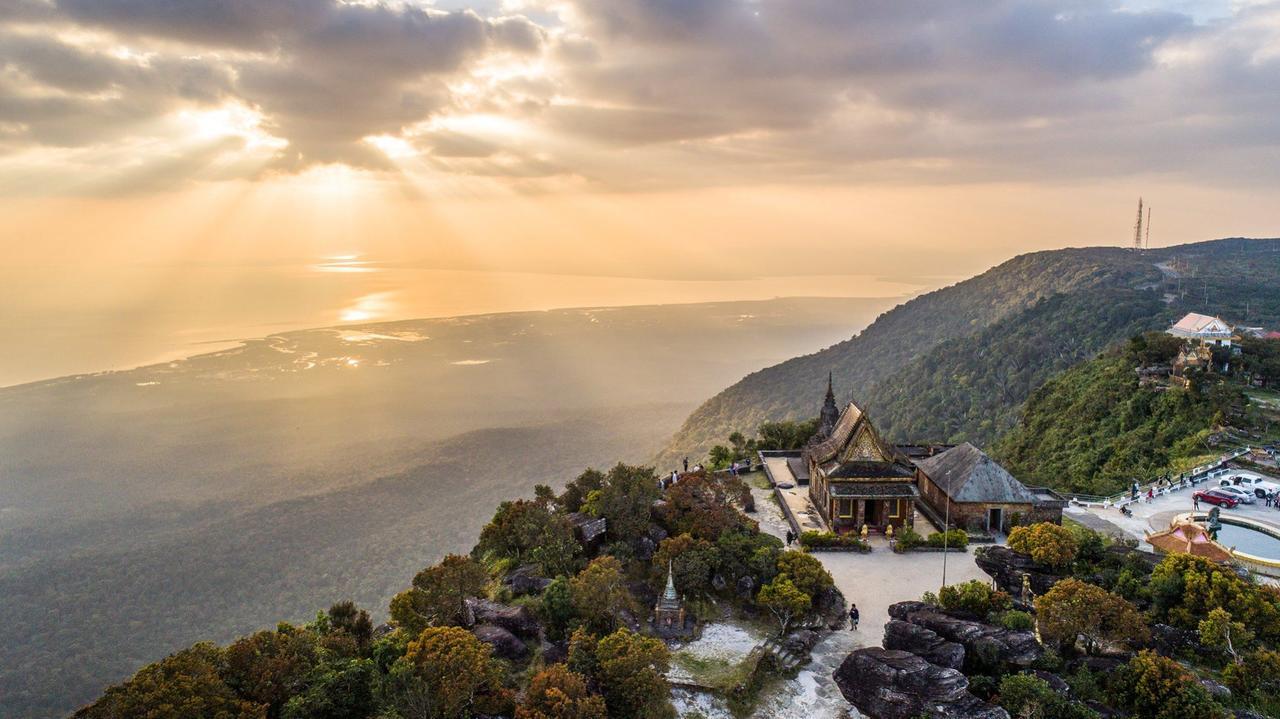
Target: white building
<point x="1209" y="330"/>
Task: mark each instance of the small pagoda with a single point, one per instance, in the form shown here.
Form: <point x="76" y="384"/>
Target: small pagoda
<point x="669" y="618"/>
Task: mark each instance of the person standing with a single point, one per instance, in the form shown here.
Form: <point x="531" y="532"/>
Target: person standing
<point x="686" y="465"/>
<point x="1195" y="504"/>
<point x="854" y="615"/>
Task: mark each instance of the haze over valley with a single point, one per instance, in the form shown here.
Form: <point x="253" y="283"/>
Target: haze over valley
<point x="200" y="499"/>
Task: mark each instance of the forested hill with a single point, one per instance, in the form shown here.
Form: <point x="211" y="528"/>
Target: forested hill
<point x="955" y="364"/>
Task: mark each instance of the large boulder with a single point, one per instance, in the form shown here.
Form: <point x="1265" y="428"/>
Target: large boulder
<point x="517" y="620"/>
<point x="924" y="642"/>
<point x="1176" y="642"/>
<point x="525" y="580"/>
<point x="986" y="647"/>
<point x="1008" y="568"/>
<point x="505" y="644"/>
<point x="893" y="684"/>
<point x="830" y="607"/>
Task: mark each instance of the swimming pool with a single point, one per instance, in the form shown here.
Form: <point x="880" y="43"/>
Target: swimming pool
<point x="1249" y="540"/>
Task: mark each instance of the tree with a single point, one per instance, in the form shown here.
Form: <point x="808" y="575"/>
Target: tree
<point x="185" y="685"/>
<point x="807" y="573"/>
<point x="631" y="670"/>
<point x="1256" y="677"/>
<point x="557" y="608"/>
<point x="748" y="554"/>
<point x="575" y="493"/>
<point x="338" y="690"/>
<point x="702" y="504"/>
<point x="599" y="593"/>
<point x="1074" y="609"/>
<point x="439" y="594"/>
<point x="269" y="667"/>
<point x="527" y="531"/>
<point x="692" y="561"/>
<point x="1047" y="543"/>
<point x="1159" y="688"/>
<point x="1186" y="588"/>
<point x="625" y="501"/>
<point x="459" y="673"/>
<point x="784" y="601"/>
<point x="1219" y="632"/>
<point x="346" y="618"/>
<point x="557" y="693"/>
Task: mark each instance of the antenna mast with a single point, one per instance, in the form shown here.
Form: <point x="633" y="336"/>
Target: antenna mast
<point x="1137" y="229"/>
<point x="1147" y="240"/>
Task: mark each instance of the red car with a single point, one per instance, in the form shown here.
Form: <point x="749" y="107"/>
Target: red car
<point x="1213" y="496"/>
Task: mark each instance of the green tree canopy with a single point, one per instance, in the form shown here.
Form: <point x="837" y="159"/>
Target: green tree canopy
<point x="600" y="593"/>
<point x="527" y="531"/>
<point x="439" y="593"/>
<point x="185" y="685"/>
<point x="1074" y="609"/>
<point x="558" y="693"/>
<point x="460" y="674"/>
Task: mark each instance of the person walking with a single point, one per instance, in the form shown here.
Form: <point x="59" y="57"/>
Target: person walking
<point x="1151" y="495"/>
<point x="853" y="617"/>
<point x="1195" y="503"/>
<point x="686" y="465"/>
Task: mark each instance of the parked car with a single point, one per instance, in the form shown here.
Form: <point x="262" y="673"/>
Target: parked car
<point x="1260" y="486"/>
<point x="1216" y="496"/>
<point x="1242" y="495"/>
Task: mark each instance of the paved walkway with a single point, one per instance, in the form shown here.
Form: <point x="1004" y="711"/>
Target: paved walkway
<point x="1155" y="515"/>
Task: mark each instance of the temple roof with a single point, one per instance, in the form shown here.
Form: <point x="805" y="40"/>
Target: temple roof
<point x="873" y="490"/>
<point x="1197" y="324"/>
<point x="855" y="450"/>
<point x="1188" y="538"/>
<point x="966" y="474"/>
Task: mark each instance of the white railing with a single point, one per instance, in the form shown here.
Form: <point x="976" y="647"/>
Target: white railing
<point x="1185" y="480"/>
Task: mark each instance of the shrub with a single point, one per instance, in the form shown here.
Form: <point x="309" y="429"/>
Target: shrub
<point x="954" y="539"/>
<point x="1016" y="620"/>
<point x="908" y="539"/>
<point x="1153" y="686"/>
<point x="974" y="597"/>
<point x="830" y="540"/>
<point x="1074" y="609"/>
<point x="1046" y="543"/>
<point x="1024" y="695"/>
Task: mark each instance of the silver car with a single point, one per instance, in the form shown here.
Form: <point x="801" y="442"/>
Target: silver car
<point x="1243" y="495"/>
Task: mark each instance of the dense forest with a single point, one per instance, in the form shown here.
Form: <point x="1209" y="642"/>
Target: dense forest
<point x="956" y="364"/>
<point x="1095" y="428"/>
<point x="542" y="619"/>
<point x="971" y="388"/>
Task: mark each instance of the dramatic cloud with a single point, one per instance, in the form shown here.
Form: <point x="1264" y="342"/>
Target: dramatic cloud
<point x="640" y="93"/>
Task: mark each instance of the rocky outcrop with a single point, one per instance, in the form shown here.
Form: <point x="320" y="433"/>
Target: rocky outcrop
<point x="801" y="641"/>
<point x="1008" y="568"/>
<point x="555" y="652"/>
<point x="517" y="620"/>
<point x="986" y="647"/>
<point x="505" y="644"/>
<point x="893" y="684"/>
<point x="1175" y="642"/>
<point x="830" y="607"/>
<point x="923" y="642"/>
<point x="525" y="580"/>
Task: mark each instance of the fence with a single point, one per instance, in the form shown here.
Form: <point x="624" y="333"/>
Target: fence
<point x="1186" y="479"/>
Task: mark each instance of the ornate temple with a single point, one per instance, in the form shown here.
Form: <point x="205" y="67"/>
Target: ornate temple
<point x="854" y="476"/>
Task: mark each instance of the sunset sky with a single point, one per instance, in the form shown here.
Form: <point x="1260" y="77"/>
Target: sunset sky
<point x="160" y="158"/>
